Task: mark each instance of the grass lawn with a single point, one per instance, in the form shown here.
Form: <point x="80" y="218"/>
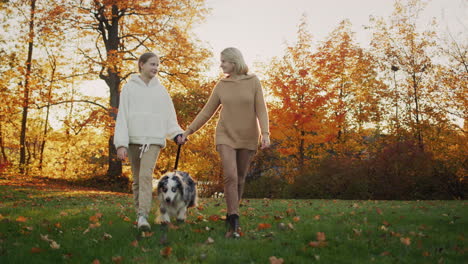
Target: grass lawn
<point x="59" y="225"/>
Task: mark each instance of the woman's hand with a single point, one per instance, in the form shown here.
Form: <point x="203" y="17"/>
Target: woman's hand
<point x="122" y="153"/>
<point x="265" y="142"/>
<point x="180" y="140"/>
<point x="185" y="135"/>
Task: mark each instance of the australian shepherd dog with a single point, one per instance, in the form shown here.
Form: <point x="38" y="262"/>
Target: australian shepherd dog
<point x="176" y="192"/>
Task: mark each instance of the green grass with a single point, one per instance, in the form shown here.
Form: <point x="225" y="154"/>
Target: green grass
<point x="356" y="231"/>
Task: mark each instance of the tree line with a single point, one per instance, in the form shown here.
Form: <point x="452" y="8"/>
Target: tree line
<point x="347" y="121"/>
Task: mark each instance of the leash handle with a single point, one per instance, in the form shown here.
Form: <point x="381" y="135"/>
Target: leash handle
<point x="177" y="157"/>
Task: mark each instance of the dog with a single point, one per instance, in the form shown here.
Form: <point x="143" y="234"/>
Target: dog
<point x="176" y="193"/>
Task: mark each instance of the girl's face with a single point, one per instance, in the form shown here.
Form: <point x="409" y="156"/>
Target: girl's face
<point x="150" y="68"/>
<point x="226" y="66"/>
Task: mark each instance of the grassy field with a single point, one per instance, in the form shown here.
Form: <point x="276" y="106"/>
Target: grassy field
<point x="43" y="224"/>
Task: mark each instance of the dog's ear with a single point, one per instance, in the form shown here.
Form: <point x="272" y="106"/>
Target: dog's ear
<point x="162" y="182"/>
<point x="180" y="184"/>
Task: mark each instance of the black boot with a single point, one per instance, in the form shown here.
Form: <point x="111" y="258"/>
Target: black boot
<point x="234" y="230"/>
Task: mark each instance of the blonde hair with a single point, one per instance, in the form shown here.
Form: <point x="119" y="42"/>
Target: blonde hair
<point x="144" y="58"/>
<point x="234" y="56"/>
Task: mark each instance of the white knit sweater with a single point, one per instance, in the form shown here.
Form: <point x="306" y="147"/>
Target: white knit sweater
<point x="146" y="114"/>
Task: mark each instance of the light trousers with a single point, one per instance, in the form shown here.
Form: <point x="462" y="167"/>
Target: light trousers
<point x="235" y="164"/>
<point x="142" y="171"/>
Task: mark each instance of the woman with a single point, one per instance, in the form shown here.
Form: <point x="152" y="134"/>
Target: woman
<point x="237" y="133"/>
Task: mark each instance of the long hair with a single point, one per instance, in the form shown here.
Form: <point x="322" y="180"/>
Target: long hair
<point x="144" y="58"/>
<point x="234" y="56"/>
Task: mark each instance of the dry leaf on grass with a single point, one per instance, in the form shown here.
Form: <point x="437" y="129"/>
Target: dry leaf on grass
<point x="209" y="241"/>
<point x="263" y="226"/>
<point x="36" y="250"/>
<point x="405" y="240"/>
<point x="166" y="252"/>
<point x="117" y="259"/>
<point x="134" y="243"/>
<point x="21" y="219"/>
<point x="275" y="260"/>
<point x="321" y="236"/>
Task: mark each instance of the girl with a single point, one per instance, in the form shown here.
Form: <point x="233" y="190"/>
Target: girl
<point x="145" y="119"/>
<point x="237" y="132"/>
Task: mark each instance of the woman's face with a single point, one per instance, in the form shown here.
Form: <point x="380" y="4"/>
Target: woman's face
<point x="150" y="68"/>
<point x="226" y="66"/>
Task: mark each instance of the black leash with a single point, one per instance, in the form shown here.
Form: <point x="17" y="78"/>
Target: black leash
<point x="177" y="157"/>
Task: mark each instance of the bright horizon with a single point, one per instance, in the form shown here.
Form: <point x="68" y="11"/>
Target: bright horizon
<point x="261" y="30"/>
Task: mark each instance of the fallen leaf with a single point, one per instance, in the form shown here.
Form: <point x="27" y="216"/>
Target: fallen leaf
<point x="426" y="254"/>
<point x="318" y="244"/>
<point x="278" y="217"/>
<point x="357" y="232"/>
<point x="134" y="243"/>
<point x="147" y="234"/>
<point x="117" y="259"/>
<point x="290" y="226"/>
<point x="96" y="261"/>
<point x="107" y="236"/>
<point x="21" y="219"/>
<point x="296" y="218"/>
<point x="263" y="226"/>
<point x="214" y="218"/>
<point x="290" y="211"/>
<point x="385" y="253"/>
<point x="321" y="236"/>
<point x="95" y="225"/>
<point x="209" y="240"/>
<point x="405" y="240"/>
<point x="54" y="245"/>
<point x="172" y="226"/>
<point x="378" y="210"/>
<point x="317" y="217"/>
<point x="45" y="238"/>
<point x="36" y="250"/>
<point x="166" y="252"/>
<point x="274" y="260"/>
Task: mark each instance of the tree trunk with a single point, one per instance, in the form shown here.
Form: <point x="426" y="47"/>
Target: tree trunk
<point x="110" y="33"/>
<point x="46" y="125"/>
<point x="115" y="165"/>
<point x="418" y="126"/>
<point x="4" y="156"/>
<point x="22" y="162"/>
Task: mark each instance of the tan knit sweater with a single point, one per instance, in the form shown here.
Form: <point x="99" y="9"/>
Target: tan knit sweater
<point x="242" y="105"/>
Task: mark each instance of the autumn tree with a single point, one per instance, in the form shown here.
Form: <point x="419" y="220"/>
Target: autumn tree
<point x="298" y="99"/>
<point x="451" y="78"/>
<point x="349" y="75"/>
<point x="399" y="43"/>
<point x="122" y="30"/>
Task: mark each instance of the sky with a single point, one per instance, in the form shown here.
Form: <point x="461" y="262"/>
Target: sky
<point x="260" y="28"/>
